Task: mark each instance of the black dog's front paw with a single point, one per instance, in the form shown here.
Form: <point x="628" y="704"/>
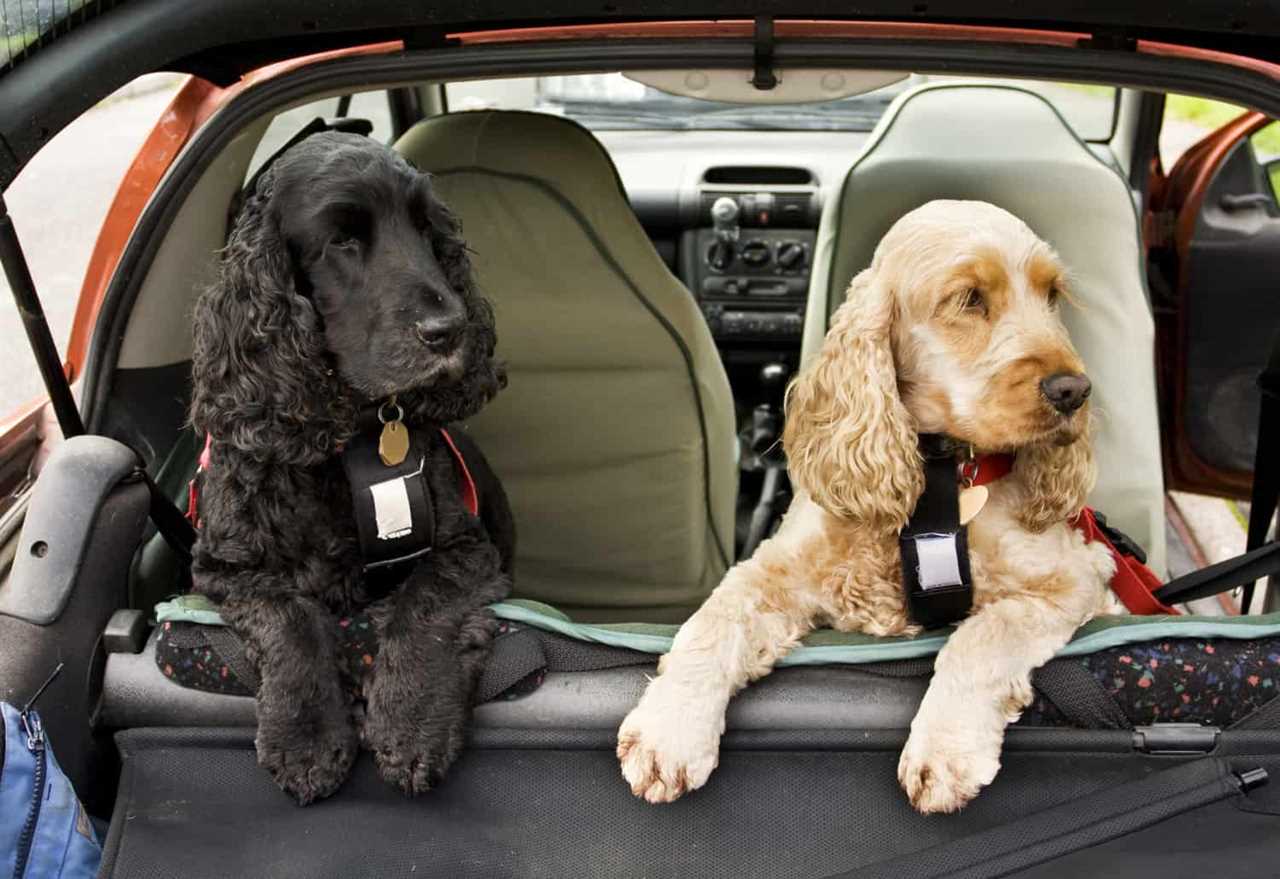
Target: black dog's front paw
<point x="415" y="738"/>
<point x="309" y="760"/>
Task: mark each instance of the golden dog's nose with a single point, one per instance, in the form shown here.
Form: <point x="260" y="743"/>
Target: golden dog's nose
<point x="1066" y="391"/>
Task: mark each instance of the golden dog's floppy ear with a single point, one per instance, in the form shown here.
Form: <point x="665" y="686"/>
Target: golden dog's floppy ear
<point x="850" y="442"/>
<point x="1057" y="480"/>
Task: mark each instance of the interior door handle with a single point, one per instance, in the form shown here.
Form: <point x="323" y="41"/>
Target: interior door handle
<point x="1230" y="202"/>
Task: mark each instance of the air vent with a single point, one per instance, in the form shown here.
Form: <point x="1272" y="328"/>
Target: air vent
<point x="758" y="175"/>
<point x="793" y="210"/>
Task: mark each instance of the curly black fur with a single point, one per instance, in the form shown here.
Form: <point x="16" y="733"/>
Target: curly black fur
<point x="345" y="280"/>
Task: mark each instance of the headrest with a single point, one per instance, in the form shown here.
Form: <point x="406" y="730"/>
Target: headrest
<point x="1000" y="144"/>
<point x="551" y="149"/>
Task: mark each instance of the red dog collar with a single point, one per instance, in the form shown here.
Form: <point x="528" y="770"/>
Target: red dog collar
<point x="985" y="468"/>
<point x="1133" y="582"/>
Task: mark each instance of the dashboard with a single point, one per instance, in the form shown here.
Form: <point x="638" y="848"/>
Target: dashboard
<point x="749" y="271"/>
<point x="751" y="277"/>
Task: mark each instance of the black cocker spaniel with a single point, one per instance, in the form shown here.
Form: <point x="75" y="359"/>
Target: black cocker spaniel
<point x="345" y="293"/>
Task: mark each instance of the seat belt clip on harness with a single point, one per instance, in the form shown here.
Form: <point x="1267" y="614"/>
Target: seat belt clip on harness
<point x="936" y="579"/>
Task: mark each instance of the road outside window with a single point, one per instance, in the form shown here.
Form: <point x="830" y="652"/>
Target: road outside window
<point x="58" y="204"/>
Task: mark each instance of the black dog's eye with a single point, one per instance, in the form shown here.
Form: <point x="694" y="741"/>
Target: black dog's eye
<point x="974" y="301"/>
<point x="353" y="226"/>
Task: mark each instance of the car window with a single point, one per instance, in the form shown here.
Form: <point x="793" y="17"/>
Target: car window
<point x="1188" y="118"/>
<point x="372" y="105"/>
<point x="58" y="204"/>
<point x="1266" y="149"/>
<point x="611" y="101"/>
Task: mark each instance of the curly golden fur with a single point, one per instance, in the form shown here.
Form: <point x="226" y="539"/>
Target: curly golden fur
<point x="953" y="329"/>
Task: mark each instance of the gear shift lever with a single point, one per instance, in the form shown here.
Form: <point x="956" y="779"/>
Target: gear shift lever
<point x="766" y="419"/>
<point x="724" y="217"/>
<point x="765" y="443"/>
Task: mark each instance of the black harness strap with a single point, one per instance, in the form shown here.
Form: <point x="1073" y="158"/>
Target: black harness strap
<point x="1078" y="695"/>
<point x="395" y="517"/>
<point x="935" y="546"/>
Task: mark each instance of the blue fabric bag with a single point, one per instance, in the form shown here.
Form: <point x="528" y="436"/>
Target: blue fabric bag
<point x="44" y="831"/>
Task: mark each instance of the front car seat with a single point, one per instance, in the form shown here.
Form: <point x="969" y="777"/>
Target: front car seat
<point x="615" y="437"/>
<point x="1010" y="147"/>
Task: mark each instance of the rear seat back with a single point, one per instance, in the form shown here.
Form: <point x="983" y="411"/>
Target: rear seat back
<point x="1010" y="147"/>
<point x="615" y="438"/>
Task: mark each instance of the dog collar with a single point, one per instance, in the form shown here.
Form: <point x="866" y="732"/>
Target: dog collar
<point x="984" y="469"/>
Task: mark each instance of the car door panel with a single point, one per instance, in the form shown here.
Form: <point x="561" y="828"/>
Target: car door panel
<point x="1223" y="256"/>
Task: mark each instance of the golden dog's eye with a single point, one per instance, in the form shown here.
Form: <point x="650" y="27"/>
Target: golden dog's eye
<point x="975" y="301"/>
<point x="1055" y="293"/>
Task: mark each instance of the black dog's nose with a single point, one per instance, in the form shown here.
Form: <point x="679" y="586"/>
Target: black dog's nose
<point x="436" y="332"/>
<point x="441" y="318"/>
<point x="1066" y="391"/>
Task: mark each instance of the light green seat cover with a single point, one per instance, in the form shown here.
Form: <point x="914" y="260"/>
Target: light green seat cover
<point x="615" y="437"/>
<point x="1010" y="147"/>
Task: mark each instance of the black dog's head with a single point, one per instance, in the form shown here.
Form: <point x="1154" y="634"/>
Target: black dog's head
<point x="343" y="282"/>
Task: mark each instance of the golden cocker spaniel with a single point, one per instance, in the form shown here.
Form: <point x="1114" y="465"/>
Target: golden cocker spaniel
<point x="953" y="330"/>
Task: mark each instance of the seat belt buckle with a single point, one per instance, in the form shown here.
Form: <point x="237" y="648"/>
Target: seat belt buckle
<point x="1125" y="544"/>
<point x="936" y="581"/>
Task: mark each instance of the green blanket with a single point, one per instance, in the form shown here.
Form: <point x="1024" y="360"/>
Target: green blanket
<point x="825" y="646"/>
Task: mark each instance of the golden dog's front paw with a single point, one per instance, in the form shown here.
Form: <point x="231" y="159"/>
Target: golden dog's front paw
<point x="941" y="771"/>
<point x="666" y="753"/>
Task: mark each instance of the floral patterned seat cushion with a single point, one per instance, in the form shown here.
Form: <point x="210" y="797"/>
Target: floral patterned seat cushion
<point x="1215" y="681"/>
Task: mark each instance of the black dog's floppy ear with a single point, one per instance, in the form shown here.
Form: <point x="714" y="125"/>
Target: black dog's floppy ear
<point x="445" y="231"/>
<point x="262" y="380"/>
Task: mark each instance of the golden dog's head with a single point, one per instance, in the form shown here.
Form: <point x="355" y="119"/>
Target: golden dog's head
<point x="953" y="329"/>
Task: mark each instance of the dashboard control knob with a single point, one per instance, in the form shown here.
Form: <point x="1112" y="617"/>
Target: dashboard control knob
<point x="790" y="254"/>
<point x="720" y="255"/>
<point x="756" y="253"/>
<point x="724" y="216"/>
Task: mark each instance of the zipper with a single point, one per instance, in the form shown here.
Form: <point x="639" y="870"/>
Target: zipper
<point x="35" y="744"/>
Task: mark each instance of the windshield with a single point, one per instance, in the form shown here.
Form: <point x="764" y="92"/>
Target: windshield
<point x="615" y="102"/>
<point x="611" y="102"/>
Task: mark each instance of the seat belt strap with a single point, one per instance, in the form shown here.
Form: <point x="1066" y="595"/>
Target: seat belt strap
<point x="1261" y="559"/>
<point x="1266" y="470"/>
<point x="1229" y="574"/>
<point x="171" y="524"/>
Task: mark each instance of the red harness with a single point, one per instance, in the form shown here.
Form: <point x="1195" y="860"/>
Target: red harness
<point x="466" y="484"/>
<point x="1133" y="582"/>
